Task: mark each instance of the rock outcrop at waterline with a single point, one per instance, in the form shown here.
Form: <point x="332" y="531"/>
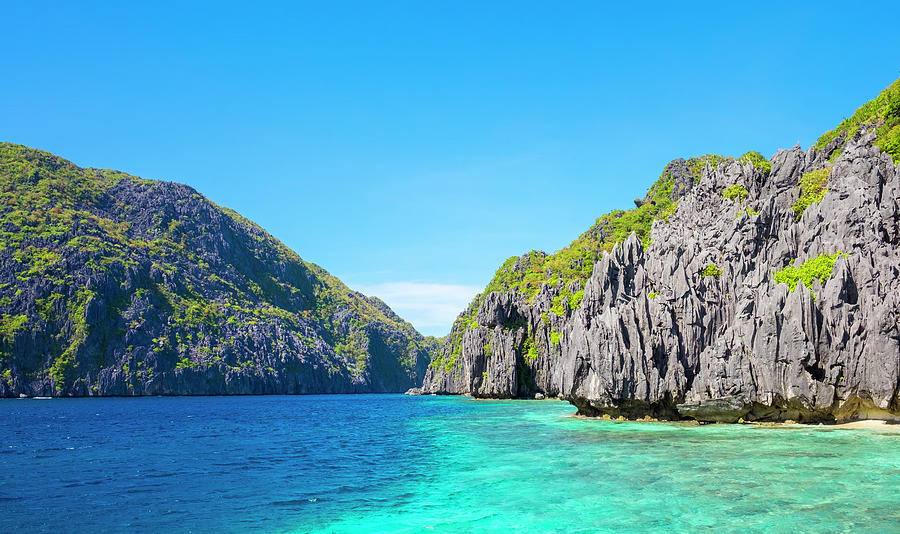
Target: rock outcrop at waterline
<point x="115" y="285"/>
<point x="700" y="320"/>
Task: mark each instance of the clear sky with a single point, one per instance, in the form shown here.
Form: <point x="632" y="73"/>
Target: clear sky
<point x="410" y="147"/>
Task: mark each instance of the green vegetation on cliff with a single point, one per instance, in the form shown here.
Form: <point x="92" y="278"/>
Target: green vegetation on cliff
<point x="736" y="193"/>
<point x="812" y="189"/>
<point x="819" y="268"/>
<point x="576" y="262"/>
<point x="757" y="160"/>
<point x="883" y="113"/>
<point x="711" y="270"/>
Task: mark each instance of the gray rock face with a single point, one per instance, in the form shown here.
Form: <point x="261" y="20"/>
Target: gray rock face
<point x="652" y="336"/>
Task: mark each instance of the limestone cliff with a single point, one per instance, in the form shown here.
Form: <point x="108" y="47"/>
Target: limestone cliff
<point x="745" y="288"/>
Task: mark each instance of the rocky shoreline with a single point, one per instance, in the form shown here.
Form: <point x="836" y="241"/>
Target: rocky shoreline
<point x="727" y="411"/>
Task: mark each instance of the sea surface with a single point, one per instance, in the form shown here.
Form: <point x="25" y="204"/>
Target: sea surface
<point x="391" y="463"/>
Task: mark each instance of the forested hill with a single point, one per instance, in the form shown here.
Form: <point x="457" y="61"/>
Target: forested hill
<point x="115" y="285"/>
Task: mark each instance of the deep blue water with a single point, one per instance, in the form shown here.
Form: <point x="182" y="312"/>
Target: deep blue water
<point x="203" y="464"/>
<point x="386" y="463"/>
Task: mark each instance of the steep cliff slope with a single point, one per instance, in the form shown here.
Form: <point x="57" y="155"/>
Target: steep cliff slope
<point x="115" y="285"/>
<point x="738" y="288"/>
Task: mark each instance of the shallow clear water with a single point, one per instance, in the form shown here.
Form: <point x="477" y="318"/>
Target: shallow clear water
<point x="388" y="463"/>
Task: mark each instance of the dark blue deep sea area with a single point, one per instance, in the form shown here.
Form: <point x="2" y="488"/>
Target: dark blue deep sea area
<point x="391" y="463"/>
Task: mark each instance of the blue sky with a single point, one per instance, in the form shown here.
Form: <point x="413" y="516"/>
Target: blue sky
<point x="410" y="147"/>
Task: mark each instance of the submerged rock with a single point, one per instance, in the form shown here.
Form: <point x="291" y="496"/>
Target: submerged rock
<point x="722" y="410"/>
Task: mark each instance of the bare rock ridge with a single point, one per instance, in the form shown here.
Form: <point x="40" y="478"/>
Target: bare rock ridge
<point x="769" y="291"/>
<point x="115" y="285"/>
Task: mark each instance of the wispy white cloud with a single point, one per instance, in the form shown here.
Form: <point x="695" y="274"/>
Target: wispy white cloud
<point x="431" y="308"/>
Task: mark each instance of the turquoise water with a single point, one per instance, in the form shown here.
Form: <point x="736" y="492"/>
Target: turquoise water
<point x="390" y="463"/>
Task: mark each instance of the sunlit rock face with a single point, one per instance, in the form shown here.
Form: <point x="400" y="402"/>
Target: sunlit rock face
<point x="701" y="321"/>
